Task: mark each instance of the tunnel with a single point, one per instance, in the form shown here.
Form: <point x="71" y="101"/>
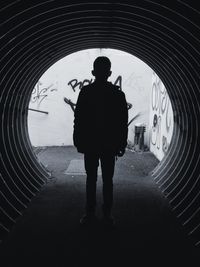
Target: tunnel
<point x="163" y="34"/>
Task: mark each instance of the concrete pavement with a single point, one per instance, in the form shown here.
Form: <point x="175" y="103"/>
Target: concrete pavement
<point x="145" y="226"/>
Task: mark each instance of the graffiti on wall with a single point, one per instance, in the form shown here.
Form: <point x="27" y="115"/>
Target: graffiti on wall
<point x="162" y="117"/>
<point x="134" y="82"/>
<point x="75" y="84"/>
<point x="41" y="92"/>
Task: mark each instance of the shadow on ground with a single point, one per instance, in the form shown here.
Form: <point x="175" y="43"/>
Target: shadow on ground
<point x="146" y="231"/>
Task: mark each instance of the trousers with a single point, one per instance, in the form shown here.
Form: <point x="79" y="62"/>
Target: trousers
<point x="91" y="161"/>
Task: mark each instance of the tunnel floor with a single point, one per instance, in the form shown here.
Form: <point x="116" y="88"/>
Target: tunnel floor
<point x="49" y="234"/>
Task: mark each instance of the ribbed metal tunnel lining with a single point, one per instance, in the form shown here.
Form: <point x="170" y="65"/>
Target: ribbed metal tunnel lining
<point x="164" y="35"/>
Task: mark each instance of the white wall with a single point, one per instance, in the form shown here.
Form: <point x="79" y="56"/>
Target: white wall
<point x="56" y="128"/>
<point x="161" y="120"/>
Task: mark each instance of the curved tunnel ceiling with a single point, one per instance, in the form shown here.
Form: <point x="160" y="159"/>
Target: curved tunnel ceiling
<point x="164" y="34"/>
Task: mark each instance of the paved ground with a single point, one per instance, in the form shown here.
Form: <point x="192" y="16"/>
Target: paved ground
<point x="48" y="234"/>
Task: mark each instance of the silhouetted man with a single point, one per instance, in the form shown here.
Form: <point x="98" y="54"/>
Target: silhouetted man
<point x="100" y="132"/>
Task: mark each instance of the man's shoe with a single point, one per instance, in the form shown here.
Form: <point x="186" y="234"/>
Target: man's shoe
<point x="88" y="219"/>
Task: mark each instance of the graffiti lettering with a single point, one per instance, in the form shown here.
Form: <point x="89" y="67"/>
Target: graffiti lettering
<point x="119" y="82"/>
<point x="159" y="97"/>
<point x="69" y="102"/>
<point x="164" y="144"/>
<point x="74" y="83"/>
<point x="162" y="116"/>
<point x="156" y="131"/>
<point x="39" y="94"/>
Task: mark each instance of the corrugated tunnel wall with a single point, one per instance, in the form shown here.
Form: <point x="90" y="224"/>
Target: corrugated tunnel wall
<point x="164" y="34"/>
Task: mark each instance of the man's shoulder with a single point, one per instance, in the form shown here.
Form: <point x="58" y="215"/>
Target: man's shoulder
<point x="117" y="90"/>
<point x="87" y="88"/>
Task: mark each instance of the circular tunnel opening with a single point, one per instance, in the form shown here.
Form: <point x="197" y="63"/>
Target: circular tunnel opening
<point x="53" y="100"/>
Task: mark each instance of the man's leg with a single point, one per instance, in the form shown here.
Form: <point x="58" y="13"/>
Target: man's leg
<point x="107" y="165"/>
<point x="91" y="166"/>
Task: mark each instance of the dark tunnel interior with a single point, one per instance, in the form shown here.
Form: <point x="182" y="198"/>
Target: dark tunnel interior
<point x="163" y="34"/>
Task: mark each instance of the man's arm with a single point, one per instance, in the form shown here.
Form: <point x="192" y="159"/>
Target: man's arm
<point x="123" y="125"/>
<point x="79" y="121"/>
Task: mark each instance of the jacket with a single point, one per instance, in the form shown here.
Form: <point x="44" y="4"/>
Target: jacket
<point x="100" y="119"/>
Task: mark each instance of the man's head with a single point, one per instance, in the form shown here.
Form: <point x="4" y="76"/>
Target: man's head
<point x="101" y="68"/>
